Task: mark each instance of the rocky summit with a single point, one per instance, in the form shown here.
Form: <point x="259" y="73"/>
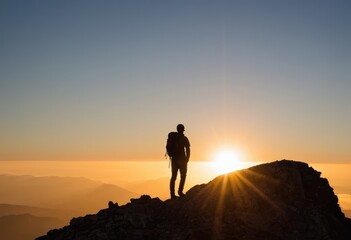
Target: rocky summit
<point x="279" y="200"/>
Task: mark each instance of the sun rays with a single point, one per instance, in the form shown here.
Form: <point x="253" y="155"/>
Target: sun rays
<point x="239" y="190"/>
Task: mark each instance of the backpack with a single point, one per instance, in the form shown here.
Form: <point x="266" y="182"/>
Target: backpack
<point x="172" y="146"/>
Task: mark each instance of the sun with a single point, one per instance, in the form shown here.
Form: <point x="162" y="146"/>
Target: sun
<point x="226" y="161"/>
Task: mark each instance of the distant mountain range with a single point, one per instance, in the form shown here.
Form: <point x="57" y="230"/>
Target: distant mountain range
<point x="30" y="206"/>
<point x="153" y="187"/>
<point x="68" y="193"/>
<point x="26" y="226"/>
<point x="63" y="215"/>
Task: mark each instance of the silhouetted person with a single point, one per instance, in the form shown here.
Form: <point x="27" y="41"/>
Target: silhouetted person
<point x="179" y="159"/>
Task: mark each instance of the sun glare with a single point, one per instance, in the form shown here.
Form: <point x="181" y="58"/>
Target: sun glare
<point x="226" y="161"/>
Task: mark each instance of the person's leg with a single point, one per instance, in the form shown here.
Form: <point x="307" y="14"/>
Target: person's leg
<point x="183" y="170"/>
<point x="173" y="178"/>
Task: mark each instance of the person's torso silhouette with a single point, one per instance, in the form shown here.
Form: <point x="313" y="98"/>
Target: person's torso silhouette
<point x="180" y="161"/>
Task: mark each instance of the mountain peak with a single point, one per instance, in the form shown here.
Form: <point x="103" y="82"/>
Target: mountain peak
<point x="279" y="200"/>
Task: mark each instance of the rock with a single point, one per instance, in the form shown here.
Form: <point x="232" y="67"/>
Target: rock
<point x="279" y="200"/>
<point x="112" y="205"/>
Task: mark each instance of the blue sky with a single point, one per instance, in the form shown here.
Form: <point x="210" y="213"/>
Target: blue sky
<point x="108" y="79"/>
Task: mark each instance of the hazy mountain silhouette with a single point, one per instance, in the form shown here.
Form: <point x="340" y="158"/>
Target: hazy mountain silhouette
<point x="154" y="187"/>
<point x="25" y="226"/>
<point x="63" y="215"/>
<point x="275" y="201"/>
<point x="69" y="193"/>
<point x="52" y="201"/>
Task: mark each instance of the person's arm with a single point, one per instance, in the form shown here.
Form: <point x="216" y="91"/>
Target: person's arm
<point x="187" y="151"/>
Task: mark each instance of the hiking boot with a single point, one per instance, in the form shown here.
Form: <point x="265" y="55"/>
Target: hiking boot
<point x="174" y="197"/>
<point x="181" y="194"/>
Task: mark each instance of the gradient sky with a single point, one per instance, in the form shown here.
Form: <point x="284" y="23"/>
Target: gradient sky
<point x="107" y="80"/>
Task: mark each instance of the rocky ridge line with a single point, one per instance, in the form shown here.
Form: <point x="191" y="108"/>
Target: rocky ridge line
<point x="279" y="200"/>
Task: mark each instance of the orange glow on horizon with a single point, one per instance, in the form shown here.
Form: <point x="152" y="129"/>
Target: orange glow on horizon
<point x="227" y="160"/>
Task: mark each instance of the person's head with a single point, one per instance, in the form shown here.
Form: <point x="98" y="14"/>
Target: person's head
<point x="180" y="128"/>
